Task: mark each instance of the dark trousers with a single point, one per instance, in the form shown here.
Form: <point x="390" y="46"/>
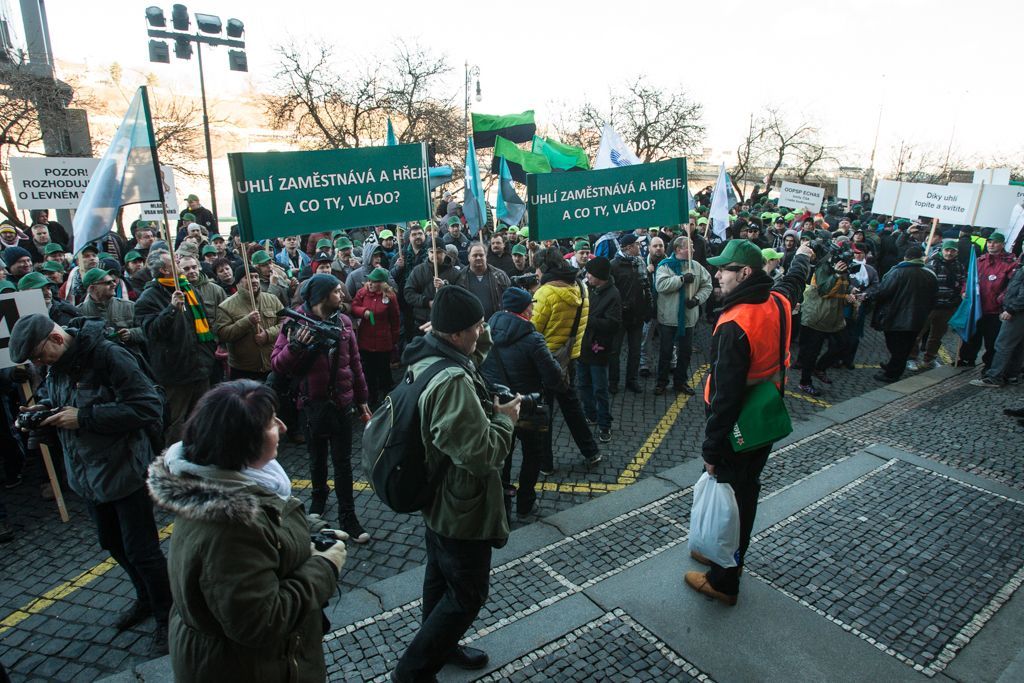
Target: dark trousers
<point x="742" y="471"/>
<point x="987" y="331"/>
<point x="532" y="442"/>
<point x="454" y="589"/>
<point x="811" y="341"/>
<point x="246" y="374"/>
<point x="127" y="530"/>
<point x="853" y="333"/>
<point x="181" y="399"/>
<point x="572" y="410"/>
<point x="333" y="435"/>
<point x="630" y="338"/>
<point x="900" y="344"/>
<point x="377" y="370"/>
<point x="684" y="349"/>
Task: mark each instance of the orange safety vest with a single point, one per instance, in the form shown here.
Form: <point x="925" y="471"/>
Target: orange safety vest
<point x="760" y="322"/>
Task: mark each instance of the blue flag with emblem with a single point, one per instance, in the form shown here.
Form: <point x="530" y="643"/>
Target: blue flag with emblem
<point x="128" y="173"/>
<point x="965" y="319"/>
<point x="510" y="208"/>
<point x="473" y="207"/>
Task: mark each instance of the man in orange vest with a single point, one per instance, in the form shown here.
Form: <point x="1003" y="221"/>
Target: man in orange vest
<point x="744" y="352"/>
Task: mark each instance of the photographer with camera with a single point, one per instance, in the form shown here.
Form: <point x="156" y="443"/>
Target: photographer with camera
<point x="322" y="355"/>
<point x="118" y="314"/>
<point x="821" y="315"/>
<point x="248" y="584"/>
<point x="106" y="412"/>
<point x="467" y="435"/>
<point x="520" y="361"/>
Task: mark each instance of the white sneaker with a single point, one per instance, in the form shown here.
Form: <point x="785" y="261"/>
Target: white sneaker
<point x="913" y="365"/>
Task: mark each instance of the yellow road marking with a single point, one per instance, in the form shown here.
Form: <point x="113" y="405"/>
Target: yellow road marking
<point x="810" y="399"/>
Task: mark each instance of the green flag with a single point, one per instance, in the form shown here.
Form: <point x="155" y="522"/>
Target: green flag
<point x="562" y="157"/>
<point x="520" y="162"/>
<point x="514" y="127"/>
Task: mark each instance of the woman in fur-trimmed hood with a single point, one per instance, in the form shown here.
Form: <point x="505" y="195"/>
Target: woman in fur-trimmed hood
<point x="248" y="587"/>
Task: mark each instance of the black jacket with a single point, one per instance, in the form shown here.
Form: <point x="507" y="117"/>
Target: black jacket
<point x="950" y="276"/>
<point x="634" y="290"/>
<point x="603" y="322"/>
<point x="419" y="287"/>
<point x="730" y="357"/>
<point x="1013" y="300"/>
<point x="528" y="364"/>
<point x="175" y="352"/>
<point x="905" y="297"/>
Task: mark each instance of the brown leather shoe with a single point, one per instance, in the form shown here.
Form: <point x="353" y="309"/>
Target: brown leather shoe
<point x="706" y="562"/>
<point x="698" y="581"/>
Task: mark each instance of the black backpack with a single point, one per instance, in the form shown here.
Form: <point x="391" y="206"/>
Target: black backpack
<point x="394" y="458"/>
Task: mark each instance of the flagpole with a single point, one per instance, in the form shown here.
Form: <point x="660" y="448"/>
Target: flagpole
<point x="433" y="257"/>
<point x="160" y="186"/>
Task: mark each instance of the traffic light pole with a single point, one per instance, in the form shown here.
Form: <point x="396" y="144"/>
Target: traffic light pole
<point x="206" y="131"/>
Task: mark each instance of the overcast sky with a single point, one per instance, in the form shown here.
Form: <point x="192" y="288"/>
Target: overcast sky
<point x="933" y="66"/>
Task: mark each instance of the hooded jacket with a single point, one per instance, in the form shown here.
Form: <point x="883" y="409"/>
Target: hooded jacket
<point x="554" y="311"/>
<point x="528" y="365"/>
<point x="357" y="278"/>
<point x="604" y="319"/>
<point x="107" y="456"/>
<point x="247" y="590"/>
<point x="456" y="422"/>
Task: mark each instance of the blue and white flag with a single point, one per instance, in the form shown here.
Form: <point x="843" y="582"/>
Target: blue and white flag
<point x="473" y="206"/>
<point x="723" y="198"/>
<point x="439" y="175"/>
<point x="128" y="173"/>
<point x="390" y="140"/>
<point x="613" y="151"/>
<point x="965" y="318"/>
<point x="510" y="208"/>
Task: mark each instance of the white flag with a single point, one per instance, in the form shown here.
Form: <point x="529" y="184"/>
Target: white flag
<point x="613" y="151"/>
<point x="1016" y="224"/>
<point x="721" y="202"/>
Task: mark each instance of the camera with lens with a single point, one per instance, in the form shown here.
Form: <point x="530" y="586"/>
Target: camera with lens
<point x="525" y="281"/>
<point x="529" y="404"/>
<point x="322" y="541"/>
<point x="325" y="335"/>
<point x="32" y="420"/>
<point x="826" y="251"/>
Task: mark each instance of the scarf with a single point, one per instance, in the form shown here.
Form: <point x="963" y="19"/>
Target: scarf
<point x="271" y="477"/>
<point x="676" y="266"/>
<point x="198" y="314"/>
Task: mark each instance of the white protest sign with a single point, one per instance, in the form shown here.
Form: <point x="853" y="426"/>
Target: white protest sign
<point x="949" y="203"/>
<point x="797" y="196"/>
<point x="51" y="182"/>
<point x="994" y="203"/>
<point x="153" y="210"/>
<point x="1016" y="224"/>
<point x="895" y="198"/>
<point x="15" y="305"/>
<point x="848" y="188"/>
<point x="992" y="176"/>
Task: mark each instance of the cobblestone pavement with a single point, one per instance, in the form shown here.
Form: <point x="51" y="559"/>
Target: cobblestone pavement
<point x="59" y="592"/>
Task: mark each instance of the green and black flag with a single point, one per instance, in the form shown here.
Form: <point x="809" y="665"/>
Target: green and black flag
<point x="562" y="157"/>
<point x="514" y="127"/>
<point x="520" y="162"/>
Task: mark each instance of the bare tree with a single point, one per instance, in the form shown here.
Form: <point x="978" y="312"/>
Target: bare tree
<point x="656" y="123"/>
<point x="747" y="154"/>
<point x="916" y="164"/>
<point x="811" y="155"/>
<point x="783" y="141"/>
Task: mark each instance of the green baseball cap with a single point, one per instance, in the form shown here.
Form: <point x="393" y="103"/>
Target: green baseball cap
<point x="739" y="251"/>
<point x="208" y="249"/>
<point x="53" y="248"/>
<point x="132" y="256"/>
<point x="8" y="286"/>
<point x="323" y="243"/>
<point x="702" y="221"/>
<point x="93" y="276"/>
<point x="950" y="244"/>
<point x="378" y="275"/>
<point x="386" y="234"/>
<point x="997" y="237"/>
<point x="260" y="257"/>
<point x="188" y="217"/>
<point x="519" y="249"/>
<point x="770" y="254"/>
<point x="582" y="244"/>
<point x="454" y="220"/>
<point x="192" y="198"/>
<point x="53" y="267"/>
<point x="343" y="243"/>
<point x="32" y="280"/>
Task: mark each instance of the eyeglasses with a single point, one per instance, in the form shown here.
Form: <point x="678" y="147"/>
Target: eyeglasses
<point x="107" y="282"/>
<point x="38" y="351"/>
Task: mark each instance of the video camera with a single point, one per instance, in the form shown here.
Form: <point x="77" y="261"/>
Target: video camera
<point x="826" y="251"/>
<point x="325" y="335"/>
<point x="525" y="281"/>
<point x="529" y="404"/>
<point x="32" y="420"/>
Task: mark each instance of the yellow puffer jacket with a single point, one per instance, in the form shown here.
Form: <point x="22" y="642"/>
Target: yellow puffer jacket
<point x="554" y="312"/>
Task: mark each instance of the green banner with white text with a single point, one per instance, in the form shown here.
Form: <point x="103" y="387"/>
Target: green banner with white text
<point x="290" y="193"/>
<point x="623" y="198"/>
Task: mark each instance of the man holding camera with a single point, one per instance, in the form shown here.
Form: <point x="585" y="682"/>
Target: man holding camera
<point x="822" y="320"/>
<point x="467" y="436"/>
<point x="106" y="413"/>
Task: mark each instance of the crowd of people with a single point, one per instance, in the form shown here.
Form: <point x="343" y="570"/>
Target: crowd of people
<point x="210" y="351"/>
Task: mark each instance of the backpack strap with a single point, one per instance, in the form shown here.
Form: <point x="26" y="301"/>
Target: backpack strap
<point x="783" y="322"/>
<point x="419" y="385"/>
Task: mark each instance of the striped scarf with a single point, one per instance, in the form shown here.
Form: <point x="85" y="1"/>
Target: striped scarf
<point x="198" y="314"/>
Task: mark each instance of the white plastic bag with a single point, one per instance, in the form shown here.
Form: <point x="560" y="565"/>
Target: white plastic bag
<point x="715" y="522"/>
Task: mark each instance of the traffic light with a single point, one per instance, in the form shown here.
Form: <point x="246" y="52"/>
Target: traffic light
<point x="235" y="28"/>
<point x="158" y="52"/>
<point x="155" y="17"/>
<point x="237" y="60"/>
<point x="179" y="17"/>
<point x="208" y="23"/>
<point x="183" y="48"/>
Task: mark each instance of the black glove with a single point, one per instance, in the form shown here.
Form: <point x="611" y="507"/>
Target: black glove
<point x="20" y="374"/>
<point x="688" y="278"/>
<point x="692" y="303"/>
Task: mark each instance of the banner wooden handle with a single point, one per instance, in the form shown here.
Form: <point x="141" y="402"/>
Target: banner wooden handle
<point x="51" y="473"/>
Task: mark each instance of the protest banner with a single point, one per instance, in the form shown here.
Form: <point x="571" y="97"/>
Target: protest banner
<point x="153" y="210"/>
<point x="848" y="189"/>
<point x="1015" y="224"/>
<point x="992" y="176"/>
<point x="895" y="198"/>
<point x="995" y="203"/>
<point x="797" y="196"/>
<point x="14" y="306"/>
<point x="291" y="193"/>
<point x="51" y="182"/>
<point x="623" y="198"/>
<point x="948" y="203"/>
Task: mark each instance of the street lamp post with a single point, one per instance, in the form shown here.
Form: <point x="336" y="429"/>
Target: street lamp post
<point x="471" y="73"/>
<point x="183" y="39"/>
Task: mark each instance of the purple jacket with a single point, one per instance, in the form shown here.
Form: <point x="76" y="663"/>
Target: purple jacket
<point x="288" y="359"/>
